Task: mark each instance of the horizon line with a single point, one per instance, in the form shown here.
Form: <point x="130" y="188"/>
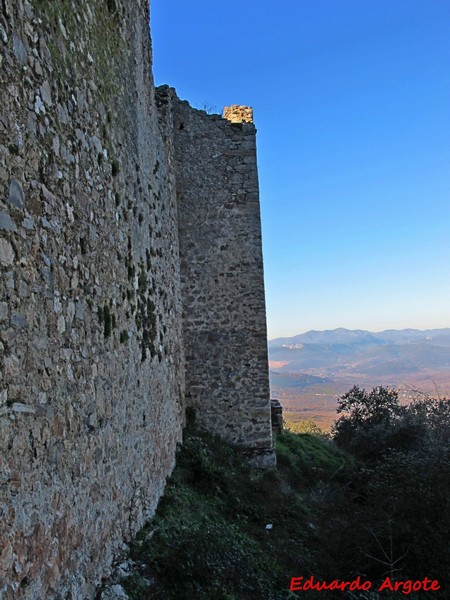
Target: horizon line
<point x="359" y="329"/>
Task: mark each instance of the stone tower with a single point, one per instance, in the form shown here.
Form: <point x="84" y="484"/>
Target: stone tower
<point x="222" y="284"/>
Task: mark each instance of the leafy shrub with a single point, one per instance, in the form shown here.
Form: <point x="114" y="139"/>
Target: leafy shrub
<point x="398" y="506"/>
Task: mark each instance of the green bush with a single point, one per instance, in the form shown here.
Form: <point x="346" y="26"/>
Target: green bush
<point x="209" y="538"/>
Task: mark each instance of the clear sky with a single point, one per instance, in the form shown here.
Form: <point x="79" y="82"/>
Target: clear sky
<point x="351" y="100"/>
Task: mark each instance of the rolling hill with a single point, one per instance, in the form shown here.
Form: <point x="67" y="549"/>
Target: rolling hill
<point x="309" y="371"/>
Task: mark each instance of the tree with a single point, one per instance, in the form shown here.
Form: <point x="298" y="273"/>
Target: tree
<point x="398" y="506"/>
<point x="380" y="405"/>
<point x="368" y="421"/>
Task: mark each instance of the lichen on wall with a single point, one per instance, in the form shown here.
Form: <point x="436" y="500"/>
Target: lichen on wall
<point x="91" y="388"/>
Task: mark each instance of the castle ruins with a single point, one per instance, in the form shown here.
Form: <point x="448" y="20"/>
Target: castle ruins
<point x="131" y="288"/>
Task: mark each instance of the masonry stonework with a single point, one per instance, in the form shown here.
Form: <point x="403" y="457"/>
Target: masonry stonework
<point x="123" y="273"/>
<point x="238" y="114"/>
<point x="224" y="321"/>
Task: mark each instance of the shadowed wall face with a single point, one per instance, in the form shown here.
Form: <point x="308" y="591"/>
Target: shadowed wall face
<point x="224" y="320"/>
<point x="91" y="384"/>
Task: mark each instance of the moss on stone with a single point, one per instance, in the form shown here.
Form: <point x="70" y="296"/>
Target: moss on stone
<point x="107" y="321"/>
<point x="115" y="168"/>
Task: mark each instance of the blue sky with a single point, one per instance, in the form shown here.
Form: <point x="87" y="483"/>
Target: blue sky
<point x="351" y="100"/>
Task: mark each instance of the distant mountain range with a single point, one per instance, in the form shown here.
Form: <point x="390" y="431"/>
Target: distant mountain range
<point x="337" y="351"/>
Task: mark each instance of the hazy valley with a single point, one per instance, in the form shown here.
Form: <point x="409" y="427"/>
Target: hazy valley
<point x="309" y="371"/>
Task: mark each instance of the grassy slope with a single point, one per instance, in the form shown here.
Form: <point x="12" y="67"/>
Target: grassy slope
<point x="209" y="539"/>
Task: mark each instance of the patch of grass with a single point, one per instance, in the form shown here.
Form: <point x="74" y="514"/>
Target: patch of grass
<point x="310" y="457"/>
<point x="226" y="531"/>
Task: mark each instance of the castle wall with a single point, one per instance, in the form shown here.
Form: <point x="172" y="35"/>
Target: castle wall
<point x="100" y="192"/>
<point x="224" y="319"/>
<point x="91" y="381"/>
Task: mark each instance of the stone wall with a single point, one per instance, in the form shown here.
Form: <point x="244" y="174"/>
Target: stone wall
<point x="238" y="114"/>
<point x="91" y="386"/>
<point x="224" y="319"/>
<point x="97" y="311"/>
